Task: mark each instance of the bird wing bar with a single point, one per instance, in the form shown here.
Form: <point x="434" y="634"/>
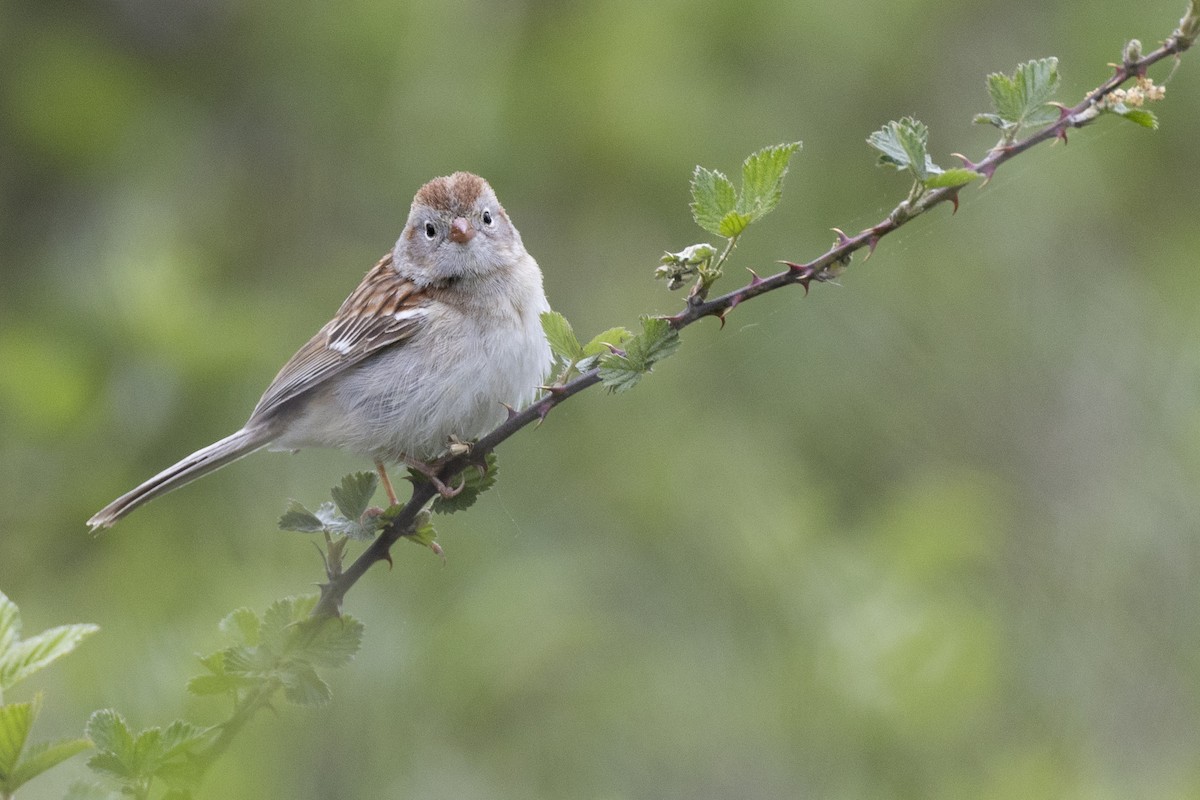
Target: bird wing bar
<point x="385" y="310"/>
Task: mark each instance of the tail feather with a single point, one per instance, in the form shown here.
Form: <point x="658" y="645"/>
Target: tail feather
<point x="199" y="463"/>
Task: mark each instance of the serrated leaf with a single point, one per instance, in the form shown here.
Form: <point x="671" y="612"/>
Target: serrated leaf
<point x="327" y="641"/>
<point x="475" y="484"/>
<point x="241" y="624"/>
<point x="605" y="340"/>
<point x="109" y="732"/>
<point x="182" y="735"/>
<point x="273" y="634"/>
<point x="333" y="522"/>
<point x="733" y="223"/>
<point x="713" y="196"/>
<point x="107" y="763"/>
<point x="1140" y="116"/>
<point x="298" y="518"/>
<point x="951" y="177"/>
<point x="425" y="535"/>
<point x="353" y="495"/>
<point x="618" y="375"/>
<point x="902" y="144"/>
<point x="302" y="686"/>
<point x="203" y="685"/>
<point x="621" y="372"/>
<point x="762" y="178"/>
<point x="238" y="660"/>
<point x="20" y="658"/>
<point x="1022" y="99"/>
<point x="147" y="749"/>
<point x="16" y="720"/>
<point x="657" y="341"/>
<point x="561" y="336"/>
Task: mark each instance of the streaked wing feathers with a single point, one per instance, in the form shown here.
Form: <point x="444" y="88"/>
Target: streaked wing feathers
<point x="384" y="310"/>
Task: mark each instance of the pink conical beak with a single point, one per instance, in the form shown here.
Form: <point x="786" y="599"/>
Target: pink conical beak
<point x="461" y="230"/>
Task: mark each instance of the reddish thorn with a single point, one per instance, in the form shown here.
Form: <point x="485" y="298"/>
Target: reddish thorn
<point x="1062" y="134"/>
<point x="794" y="268"/>
<point x="807" y="279"/>
<point x="616" y="351"/>
<point x="966" y="162"/>
<point x="842" y="237"/>
<point x="954" y="199"/>
<point x="754" y="279"/>
<point x="543" y="409"/>
<point x="872" y="242"/>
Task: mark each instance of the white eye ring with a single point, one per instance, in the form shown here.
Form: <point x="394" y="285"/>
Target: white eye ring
<point x="430" y="230"/>
<point x="487" y="217"/>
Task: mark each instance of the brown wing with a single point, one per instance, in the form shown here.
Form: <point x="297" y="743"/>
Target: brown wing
<point x="384" y="310"/>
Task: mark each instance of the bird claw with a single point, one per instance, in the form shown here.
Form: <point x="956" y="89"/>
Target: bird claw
<point x="430" y="471"/>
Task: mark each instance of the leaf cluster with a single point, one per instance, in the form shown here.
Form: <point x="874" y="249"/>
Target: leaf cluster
<point x="136" y="762"/>
<point x="572" y="358"/>
<point x="279" y="651"/>
<point x="621" y="356"/>
<point x="903" y="144"/>
<point x="20" y="759"/>
<point x="722" y="210"/>
<point x="1022" y="100"/>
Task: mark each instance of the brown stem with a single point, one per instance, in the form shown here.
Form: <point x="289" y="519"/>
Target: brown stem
<point x="818" y="270"/>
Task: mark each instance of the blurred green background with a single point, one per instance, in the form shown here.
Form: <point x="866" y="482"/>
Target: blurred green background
<point x="931" y="533"/>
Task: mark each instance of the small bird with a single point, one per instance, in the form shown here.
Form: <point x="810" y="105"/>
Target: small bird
<point x="440" y="336"/>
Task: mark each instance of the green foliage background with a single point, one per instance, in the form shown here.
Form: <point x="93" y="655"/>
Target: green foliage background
<point x="931" y="533"/>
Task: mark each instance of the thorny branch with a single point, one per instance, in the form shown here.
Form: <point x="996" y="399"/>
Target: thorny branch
<point x="820" y="269"/>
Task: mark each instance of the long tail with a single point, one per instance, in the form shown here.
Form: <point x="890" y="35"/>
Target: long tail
<point x="199" y="463"/>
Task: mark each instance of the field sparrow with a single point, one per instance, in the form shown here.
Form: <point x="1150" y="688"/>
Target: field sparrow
<point x="438" y="338"/>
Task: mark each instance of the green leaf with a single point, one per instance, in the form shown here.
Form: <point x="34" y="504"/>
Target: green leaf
<point x="1022" y="99"/>
<point x="327" y="641"/>
<point x="299" y="518"/>
<point x="16" y="720"/>
<point x="992" y="119"/>
<point x="241" y="624"/>
<point x="475" y="484"/>
<point x="109" y="732"/>
<point x="561" y="337"/>
<point x="951" y="177"/>
<point x="302" y="686"/>
<point x="424" y="533"/>
<point x="1140" y="116"/>
<point x="762" y="178"/>
<point x="44" y="756"/>
<point x="902" y="145"/>
<point x="733" y="223"/>
<point x="605" y="340"/>
<point x="204" y="685"/>
<point x="658" y="340"/>
<point x="354" y="494"/>
<point x="327" y="518"/>
<point x="713" y="196"/>
<point x="20" y="658"/>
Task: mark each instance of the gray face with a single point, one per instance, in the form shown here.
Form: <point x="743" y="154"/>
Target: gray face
<point x="456" y="228"/>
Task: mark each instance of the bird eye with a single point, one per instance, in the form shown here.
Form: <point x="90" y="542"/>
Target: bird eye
<point x="430" y="230"/>
<point x="487" y="217"/>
